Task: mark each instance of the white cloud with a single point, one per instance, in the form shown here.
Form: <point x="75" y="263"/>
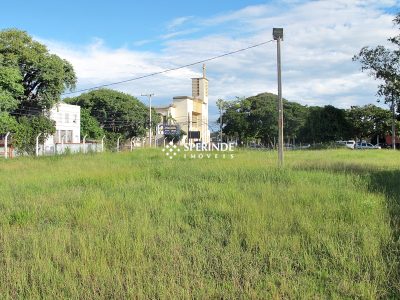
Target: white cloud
<point x="178" y="33"/>
<point x="321" y="38"/>
<point x="172" y="25"/>
<point x="142" y="42"/>
<point x="242" y="15"/>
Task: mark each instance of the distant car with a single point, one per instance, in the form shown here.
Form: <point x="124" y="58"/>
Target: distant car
<point x="256" y="146"/>
<point x="390" y="146"/>
<point x="363" y="146"/>
<point x="384" y="146"/>
<point x="350" y="144"/>
<point x="289" y="147"/>
<point x="306" y="146"/>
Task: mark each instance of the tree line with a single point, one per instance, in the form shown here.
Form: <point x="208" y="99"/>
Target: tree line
<point x="254" y="119"/>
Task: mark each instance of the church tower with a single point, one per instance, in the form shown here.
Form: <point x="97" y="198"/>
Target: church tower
<point x="200" y="93"/>
<point x="200" y="87"/>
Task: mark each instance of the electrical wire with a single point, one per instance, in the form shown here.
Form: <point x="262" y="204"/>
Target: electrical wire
<point x="113" y="122"/>
<point x="109" y="123"/>
<point x="168" y="70"/>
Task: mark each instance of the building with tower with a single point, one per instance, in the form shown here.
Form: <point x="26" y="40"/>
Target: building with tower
<point x="190" y="113"/>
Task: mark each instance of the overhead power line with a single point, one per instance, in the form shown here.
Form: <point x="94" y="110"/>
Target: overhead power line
<point x="168" y="70"/>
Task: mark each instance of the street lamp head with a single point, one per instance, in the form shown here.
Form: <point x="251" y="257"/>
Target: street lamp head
<point x="277" y="33"/>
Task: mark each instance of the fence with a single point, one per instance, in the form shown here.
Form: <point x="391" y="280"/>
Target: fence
<point x="69" y="148"/>
<point x="8" y="151"/>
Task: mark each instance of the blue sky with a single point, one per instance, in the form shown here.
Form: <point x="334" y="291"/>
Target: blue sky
<point x="108" y="41"/>
<point x="119" y="23"/>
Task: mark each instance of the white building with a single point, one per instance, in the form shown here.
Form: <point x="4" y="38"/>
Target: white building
<point x="190" y="113"/>
<point x="68" y="124"/>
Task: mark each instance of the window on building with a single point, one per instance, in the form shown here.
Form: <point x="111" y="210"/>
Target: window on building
<point x="67" y="118"/>
<point x="68" y="138"/>
<point x="56" y="137"/>
<point x="63" y="136"/>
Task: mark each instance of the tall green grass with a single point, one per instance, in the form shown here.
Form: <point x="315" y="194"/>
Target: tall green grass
<point x="138" y="225"/>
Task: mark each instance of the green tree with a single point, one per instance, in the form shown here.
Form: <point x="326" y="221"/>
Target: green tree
<point x="256" y="118"/>
<point x="383" y="64"/>
<point x="234" y="118"/>
<point x="369" y="121"/>
<point x="117" y="113"/>
<point x="325" y="124"/>
<point x="31" y="82"/>
<point x="43" y="76"/>
<point x="24" y="138"/>
<point x="262" y="116"/>
<point x="175" y="137"/>
<point x="7" y="123"/>
<point x="90" y="127"/>
<point x="11" y="89"/>
<point x="295" y="116"/>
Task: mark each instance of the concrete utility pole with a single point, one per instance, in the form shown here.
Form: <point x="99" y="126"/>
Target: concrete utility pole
<point x="220" y="104"/>
<point x="150" y="129"/>
<point x="278" y="36"/>
<point x="393" y="124"/>
<point x="188" y="128"/>
<point x="220" y="127"/>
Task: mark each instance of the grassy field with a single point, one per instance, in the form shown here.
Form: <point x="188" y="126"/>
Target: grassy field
<point x="138" y="225"/>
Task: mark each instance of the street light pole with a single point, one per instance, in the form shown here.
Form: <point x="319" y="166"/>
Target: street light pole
<point x="150" y="128"/>
<point x="278" y="36"/>
<point x="220" y="127"/>
<point x="393" y="124"/>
